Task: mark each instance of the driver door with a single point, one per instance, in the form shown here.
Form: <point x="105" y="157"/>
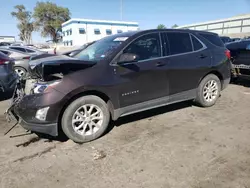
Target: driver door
<point x="145" y="79"/>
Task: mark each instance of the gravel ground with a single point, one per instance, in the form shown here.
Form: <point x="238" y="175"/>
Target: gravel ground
<point x="176" y="146"/>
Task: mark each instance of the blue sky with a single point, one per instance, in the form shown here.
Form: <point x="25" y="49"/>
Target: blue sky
<point x="148" y="13"/>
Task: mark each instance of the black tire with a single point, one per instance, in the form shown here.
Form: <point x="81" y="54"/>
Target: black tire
<point x="200" y="99"/>
<point x="66" y="121"/>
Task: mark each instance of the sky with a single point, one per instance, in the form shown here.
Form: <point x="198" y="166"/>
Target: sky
<point x="148" y="13"/>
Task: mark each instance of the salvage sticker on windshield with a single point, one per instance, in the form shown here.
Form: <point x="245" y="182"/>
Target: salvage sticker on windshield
<point x="120" y="39"/>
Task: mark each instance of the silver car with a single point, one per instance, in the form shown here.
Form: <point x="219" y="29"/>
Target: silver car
<point x="21" y="60"/>
<point x="25" y="49"/>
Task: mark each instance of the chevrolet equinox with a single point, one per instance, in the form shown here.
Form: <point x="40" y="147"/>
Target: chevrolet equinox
<point x="120" y="75"/>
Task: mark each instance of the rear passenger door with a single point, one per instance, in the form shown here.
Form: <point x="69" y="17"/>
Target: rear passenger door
<point x="188" y="60"/>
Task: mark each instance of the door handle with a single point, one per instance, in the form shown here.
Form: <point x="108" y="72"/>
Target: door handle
<point x="202" y="56"/>
<point x="160" y="64"/>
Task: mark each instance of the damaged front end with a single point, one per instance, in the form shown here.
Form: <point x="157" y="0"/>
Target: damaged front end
<point x="36" y="91"/>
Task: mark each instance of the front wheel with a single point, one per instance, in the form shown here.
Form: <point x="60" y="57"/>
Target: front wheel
<point x="21" y="72"/>
<point x="208" y="91"/>
<point x="85" y="119"/>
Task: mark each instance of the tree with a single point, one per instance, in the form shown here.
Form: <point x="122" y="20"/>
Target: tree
<point x="49" y="18"/>
<point x="25" y="25"/>
<point x="174" y="26"/>
<point x="161" y="26"/>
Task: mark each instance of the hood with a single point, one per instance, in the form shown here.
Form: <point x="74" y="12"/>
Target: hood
<point x="45" y="68"/>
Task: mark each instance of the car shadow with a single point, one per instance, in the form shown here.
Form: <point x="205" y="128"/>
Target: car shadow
<point x="151" y="113"/>
<point x="5" y="96"/>
<point x="241" y="82"/>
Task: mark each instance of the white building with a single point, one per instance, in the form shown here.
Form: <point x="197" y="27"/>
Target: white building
<point x="237" y="26"/>
<point x="10" y="39"/>
<point x="77" y="32"/>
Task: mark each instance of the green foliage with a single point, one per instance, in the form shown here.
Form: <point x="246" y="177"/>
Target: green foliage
<point x="174" y="26"/>
<point x="49" y="18"/>
<point x="25" y="25"/>
<point x="161" y="26"/>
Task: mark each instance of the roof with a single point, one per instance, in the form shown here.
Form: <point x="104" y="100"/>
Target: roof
<point x="77" y="20"/>
<point x="234" y="18"/>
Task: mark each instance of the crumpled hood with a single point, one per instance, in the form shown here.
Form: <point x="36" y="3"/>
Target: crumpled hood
<point x="43" y="68"/>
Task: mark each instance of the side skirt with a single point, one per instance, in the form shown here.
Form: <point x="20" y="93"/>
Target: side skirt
<point x="155" y="103"/>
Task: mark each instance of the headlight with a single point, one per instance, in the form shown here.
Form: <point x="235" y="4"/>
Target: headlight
<point x="43" y="87"/>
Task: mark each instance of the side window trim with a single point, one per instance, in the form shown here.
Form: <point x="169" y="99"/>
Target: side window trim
<point x="190" y="37"/>
<point x="204" y="46"/>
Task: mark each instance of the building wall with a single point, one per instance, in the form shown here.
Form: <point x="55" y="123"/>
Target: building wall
<point x="7" y="39"/>
<point x="238" y="26"/>
<point x="79" y="39"/>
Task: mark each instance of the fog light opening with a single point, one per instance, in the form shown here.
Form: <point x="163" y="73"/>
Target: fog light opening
<point x="42" y="113"/>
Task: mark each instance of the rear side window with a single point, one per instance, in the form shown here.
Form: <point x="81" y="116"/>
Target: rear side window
<point x="18" y="49"/>
<point x="30" y="51"/>
<point x="196" y="43"/>
<point x="179" y="43"/>
<point x="5" y="52"/>
<point x="214" y="39"/>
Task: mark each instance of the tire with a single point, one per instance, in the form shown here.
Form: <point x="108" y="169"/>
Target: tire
<point x="21" y="72"/>
<point x="85" y="120"/>
<point x="204" y="100"/>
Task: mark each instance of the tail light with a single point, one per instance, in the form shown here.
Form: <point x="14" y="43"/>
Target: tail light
<point x="3" y="61"/>
<point x="28" y="57"/>
<point x="228" y="54"/>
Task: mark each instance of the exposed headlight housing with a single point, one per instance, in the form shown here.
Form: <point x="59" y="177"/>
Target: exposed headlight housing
<point x="43" y="87"/>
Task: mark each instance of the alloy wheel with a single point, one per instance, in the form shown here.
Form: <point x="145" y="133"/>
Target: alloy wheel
<point x="210" y="91"/>
<point x="87" y="119"/>
<point x="20" y="72"/>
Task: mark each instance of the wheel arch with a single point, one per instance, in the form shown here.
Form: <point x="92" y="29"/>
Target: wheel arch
<point x="216" y="73"/>
<point x="102" y="95"/>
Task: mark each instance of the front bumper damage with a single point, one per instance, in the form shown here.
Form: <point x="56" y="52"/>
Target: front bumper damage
<point x="23" y="110"/>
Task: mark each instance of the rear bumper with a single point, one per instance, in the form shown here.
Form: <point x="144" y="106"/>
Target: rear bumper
<point x="8" y="82"/>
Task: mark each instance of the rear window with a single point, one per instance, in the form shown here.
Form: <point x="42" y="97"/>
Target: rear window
<point x="214" y="39"/>
<point x="30" y="51"/>
<point x="3" y="56"/>
<point x="18" y="49"/>
<point x="4" y="52"/>
<point x="179" y="43"/>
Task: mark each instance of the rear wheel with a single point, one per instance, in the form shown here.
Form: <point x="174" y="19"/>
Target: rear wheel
<point x="21" y="72"/>
<point x="208" y="91"/>
<point x="85" y="119"/>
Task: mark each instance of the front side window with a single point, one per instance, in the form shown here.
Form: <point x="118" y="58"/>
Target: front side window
<point x="196" y="43"/>
<point x="179" y="43"/>
<point x="145" y="47"/>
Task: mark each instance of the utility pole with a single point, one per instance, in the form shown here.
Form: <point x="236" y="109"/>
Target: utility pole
<point x="121" y="8"/>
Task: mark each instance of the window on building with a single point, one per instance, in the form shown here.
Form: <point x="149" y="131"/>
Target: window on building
<point x="64" y="33"/>
<point x="71" y="43"/>
<point x="70" y="32"/>
<point x="179" y="43"/>
<point x="145" y="47"/>
<point x="97" y="31"/>
<point x="119" y="31"/>
<point x="82" y="31"/>
<point x="108" y="31"/>
<point x="196" y="43"/>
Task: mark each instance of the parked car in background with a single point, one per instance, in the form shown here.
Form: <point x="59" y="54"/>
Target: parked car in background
<point x="240" y="56"/>
<point x="226" y="39"/>
<point x="235" y="39"/>
<point x="8" y="76"/>
<point x="74" y="52"/>
<point x="21" y="60"/>
<point x="120" y="75"/>
<point x="25" y="49"/>
<point x="5" y="43"/>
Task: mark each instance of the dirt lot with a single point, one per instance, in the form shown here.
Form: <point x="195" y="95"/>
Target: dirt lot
<point x="176" y="146"/>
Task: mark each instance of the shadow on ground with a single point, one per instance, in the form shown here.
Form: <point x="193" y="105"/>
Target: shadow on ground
<point x="241" y="82"/>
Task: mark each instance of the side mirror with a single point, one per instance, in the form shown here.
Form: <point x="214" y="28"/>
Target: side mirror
<point x="127" y="58"/>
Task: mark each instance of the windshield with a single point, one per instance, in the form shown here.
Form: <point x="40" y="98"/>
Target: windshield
<point x="100" y="49"/>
